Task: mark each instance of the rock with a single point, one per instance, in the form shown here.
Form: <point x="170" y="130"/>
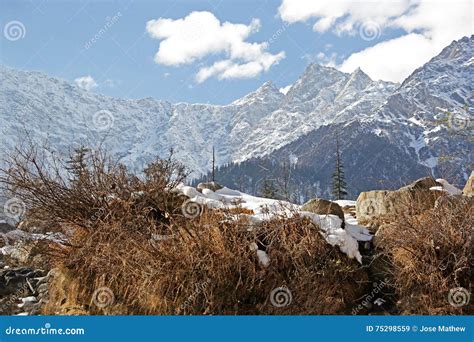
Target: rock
<point x="377" y="240"/>
<point x="5" y="227"/>
<point x="469" y="187"/>
<point x="424" y="183"/>
<point x="323" y="207"/>
<point x="384" y="203"/>
<point x="38" y="227"/>
<point x="209" y="185"/>
<point x="449" y="188"/>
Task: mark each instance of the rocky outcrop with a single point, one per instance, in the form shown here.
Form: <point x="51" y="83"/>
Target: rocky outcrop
<point x="23" y="290"/>
<point x="411" y="200"/>
<point x="469" y="187"/>
<point x="209" y="185"/>
<point x="324" y="207"/>
<point x="424" y="183"/>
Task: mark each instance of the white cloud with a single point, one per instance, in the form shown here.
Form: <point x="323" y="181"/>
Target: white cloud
<point x="428" y="25"/>
<point x="343" y="14"/>
<point x="86" y="82"/>
<point x="392" y="60"/>
<point x="327" y="59"/>
<point x="201" y="34"/>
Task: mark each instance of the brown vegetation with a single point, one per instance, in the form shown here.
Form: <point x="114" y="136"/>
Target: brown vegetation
<point x="128" y="234"/>
<point x="430" y="254"/>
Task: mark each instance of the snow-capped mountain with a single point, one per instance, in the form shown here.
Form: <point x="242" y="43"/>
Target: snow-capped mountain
<point x="137" y="130"/>
<point x="424" y="127"/>
<point x="256" y="125"/>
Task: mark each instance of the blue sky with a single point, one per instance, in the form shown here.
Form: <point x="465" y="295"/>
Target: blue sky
<point x="278" y="40"/>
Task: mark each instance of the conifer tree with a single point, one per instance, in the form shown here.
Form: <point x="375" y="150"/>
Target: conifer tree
<point x="339" y="186"/>
<point x="77" y="163"/>
<point x="268" y="189"/>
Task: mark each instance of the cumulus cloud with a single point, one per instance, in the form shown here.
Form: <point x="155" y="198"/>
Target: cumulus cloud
<point x="86" y="82"/>
<point x="201" y="34"/>
<point x="428" y="26"/>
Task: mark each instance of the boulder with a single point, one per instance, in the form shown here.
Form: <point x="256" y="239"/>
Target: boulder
<point x="209" y="185"/>
<point x="5" y="227"/>
<point x="469" y="187"/>
<point x="379" y="203"/>
<point x="424" y="183"/>
<point x="323" y="207"/>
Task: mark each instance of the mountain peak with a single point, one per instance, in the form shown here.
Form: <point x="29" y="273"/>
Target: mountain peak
<point x="267" y="86"/>
<point x="358" y="72"/>
<point x="267" y="92"/>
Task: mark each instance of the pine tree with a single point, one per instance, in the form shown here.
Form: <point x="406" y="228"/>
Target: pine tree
<point x="268" y="189"/>
<point x="77" y="163"/>
<point x="339" y="185"/>
<point x="213" y="165"/>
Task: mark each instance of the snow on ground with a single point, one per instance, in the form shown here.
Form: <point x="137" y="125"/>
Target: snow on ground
<point x="345" y="203"/>
<point x="265" y="209"/>
<point x="20" y="235"/>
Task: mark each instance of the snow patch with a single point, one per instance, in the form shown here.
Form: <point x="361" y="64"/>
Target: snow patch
<point x="265" y="209"/>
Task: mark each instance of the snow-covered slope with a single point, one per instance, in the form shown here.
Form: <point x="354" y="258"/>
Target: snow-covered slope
<point x="425" y="127"/>
<point x="137" y="130"/>
<point x="431" y="114"/>
<point x="406" y="116"/>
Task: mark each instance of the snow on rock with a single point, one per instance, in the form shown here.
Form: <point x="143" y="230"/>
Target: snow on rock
<point x="360" y="233"/>
<point x="345" y="203"/>
<point x="335" y="235"/>
<point x="449" y="188"/>
<point x="27" y="301"/>
<point x="265" y="209"/>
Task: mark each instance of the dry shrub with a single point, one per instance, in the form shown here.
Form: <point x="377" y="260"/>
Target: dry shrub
<point x="208" y="267"/>
<point x="129" y="235"/>
<point x="430" y="254"/>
